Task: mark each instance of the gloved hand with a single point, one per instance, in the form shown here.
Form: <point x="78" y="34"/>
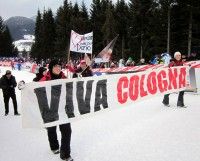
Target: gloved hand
<point x="21" y="85"/>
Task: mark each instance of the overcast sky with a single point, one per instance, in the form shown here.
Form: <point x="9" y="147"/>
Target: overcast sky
<point x="28" y="8"/>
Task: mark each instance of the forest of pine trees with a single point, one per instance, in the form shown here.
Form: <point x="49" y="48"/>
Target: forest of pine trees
<point x="6" y="47"/>
<point x="145" y="27"/>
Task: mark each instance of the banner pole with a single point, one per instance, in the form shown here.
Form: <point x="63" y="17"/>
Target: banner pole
<point x="92" y="59"/>
<point x="69" y="49"/>
<point x="68" y="58"/>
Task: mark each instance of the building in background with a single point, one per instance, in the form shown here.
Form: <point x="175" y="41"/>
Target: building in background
<point x="24" y="45"/>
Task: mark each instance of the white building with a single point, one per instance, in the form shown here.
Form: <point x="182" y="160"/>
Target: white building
<point x="25" y="44"/>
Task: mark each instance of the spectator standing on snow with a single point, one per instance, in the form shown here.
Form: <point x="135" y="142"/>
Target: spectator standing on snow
<point x="12" y="65"/>
<point x="177" y="61"/>
<point x="19" y="65"/>
<point x="65" y="129"/>
<point x="8" y="84"/>
<point x="40" y="74"/>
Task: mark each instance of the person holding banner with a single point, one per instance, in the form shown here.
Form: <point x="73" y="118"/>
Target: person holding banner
<point x="83" y="71"/>
<point x="177" y="61"/>
<point x="65" y="129"/>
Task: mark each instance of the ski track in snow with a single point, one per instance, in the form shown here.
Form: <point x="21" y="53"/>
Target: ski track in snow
<point x="145" y="131"/>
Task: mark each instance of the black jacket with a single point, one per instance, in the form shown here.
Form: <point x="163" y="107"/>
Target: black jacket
<point x="86" y="73"/>
<point x="8" y="85"/>
<point x="38" y="77"/>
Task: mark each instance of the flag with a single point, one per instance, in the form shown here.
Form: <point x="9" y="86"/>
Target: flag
<point x="105" y="54"/>
<point x="87" y="60"/>
<point x="81" y="43"/>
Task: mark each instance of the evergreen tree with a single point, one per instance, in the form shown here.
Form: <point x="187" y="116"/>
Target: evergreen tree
<point x="1" y="36"/>
<point x="63" y="29"/>
<point x="75" y="19"/>
<point x="6" y="46"/>
<point x="49" y="35"/>
<point x="190" y="8"/>
<point x="84" y="19"/>
<point x="45" y="35"/>
<point x="98" y="17"/>
<point x="166" y="17"/>
<point x="179" y="35"/>
<point x="36" y="48"/>
<point x="7" y="40"/>
<point x="195" y="28"/>
<point x="109" y="27"/>
<point x="122" y="18"/>
<point x="145" y="27"/>
<point x="141" y="11"/>
<point x="80" y="19"/>
<point x="1" y="25"/>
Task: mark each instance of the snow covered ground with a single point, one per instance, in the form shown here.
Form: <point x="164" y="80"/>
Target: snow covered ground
<point x="145" y="131"/>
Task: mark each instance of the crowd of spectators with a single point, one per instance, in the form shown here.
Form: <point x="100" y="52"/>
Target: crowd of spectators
<point x="163" y="58"/>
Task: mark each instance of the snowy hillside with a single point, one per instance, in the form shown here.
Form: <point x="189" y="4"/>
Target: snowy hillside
<point x="145" y="131"/>
<point x="20" y="26"/>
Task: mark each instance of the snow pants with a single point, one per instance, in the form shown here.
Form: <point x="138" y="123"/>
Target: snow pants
<point x="180" y="101"/>
<point x="66" y="131"/>
<point x="6" y="102"/>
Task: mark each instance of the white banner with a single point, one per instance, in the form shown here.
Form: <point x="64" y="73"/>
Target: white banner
<point x="65" y="100"/>
<point x="81" y="43"/>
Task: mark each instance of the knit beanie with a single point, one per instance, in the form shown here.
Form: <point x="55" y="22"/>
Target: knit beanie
<point x="41" y="70"/>
<point x="53" y="63"/>
<point x="8" y="72"/>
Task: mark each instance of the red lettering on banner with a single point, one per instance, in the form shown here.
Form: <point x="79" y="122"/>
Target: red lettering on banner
<point x="162" y="84"/>
<point x="122" y="95"/>
<point x="151" y="83"/>
<point x="182" y="78"/>
<point x="142" y="91"/>
<point x="134" y="87"/>
<point x="172" y="78"/>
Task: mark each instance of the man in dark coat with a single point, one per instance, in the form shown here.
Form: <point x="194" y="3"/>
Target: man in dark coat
<point x="8" y="84"/>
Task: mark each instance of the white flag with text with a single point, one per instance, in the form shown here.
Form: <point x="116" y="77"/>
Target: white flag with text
<point x="81" y="43"/>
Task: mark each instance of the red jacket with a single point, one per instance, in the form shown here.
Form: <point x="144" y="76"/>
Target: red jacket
<point x="175" y="62"/>
<point x="47" y="76"/>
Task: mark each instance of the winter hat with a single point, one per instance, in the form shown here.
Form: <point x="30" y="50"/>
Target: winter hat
<point x="53" y="63"/>
<point x="83" y="62"/>
<point x="8" y="72"/>
<point x="177" y="53"/>
<point x="41" y="70"/>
